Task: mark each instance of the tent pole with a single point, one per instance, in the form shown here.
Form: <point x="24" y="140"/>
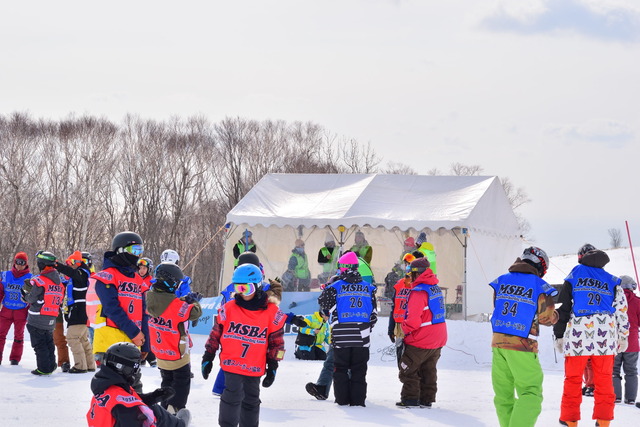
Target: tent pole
<point x="464" y="274"/>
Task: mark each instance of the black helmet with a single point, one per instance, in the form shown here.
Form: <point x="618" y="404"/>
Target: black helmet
<point x="124" y="239"/>
<point x="538" y="258"/>
<point x="44" y="259"/>
<point x="124" y="358"/>
<point x="249" y="258"/>
<point x="168" y="277"/>
<point x="87" y="258"/>
<point x="586" y="248"/>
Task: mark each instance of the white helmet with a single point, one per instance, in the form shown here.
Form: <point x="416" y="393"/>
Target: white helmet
<point x="169" y="255"/>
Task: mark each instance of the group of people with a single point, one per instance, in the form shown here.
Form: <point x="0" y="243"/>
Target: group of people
<point x="134" y="311"/>
<point x="596" y="323"/>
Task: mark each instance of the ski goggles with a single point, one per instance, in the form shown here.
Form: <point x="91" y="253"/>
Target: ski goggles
<point x="136" y="249"/>
<point x="20" y="262"/>
<point x="143" y="263"/>
<point x="245" y="289"/>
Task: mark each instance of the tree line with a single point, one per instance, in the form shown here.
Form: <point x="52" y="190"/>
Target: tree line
<point x="73" y="183"/>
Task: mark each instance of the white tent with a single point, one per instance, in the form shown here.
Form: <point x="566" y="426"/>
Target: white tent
<point x="467" y="218"/>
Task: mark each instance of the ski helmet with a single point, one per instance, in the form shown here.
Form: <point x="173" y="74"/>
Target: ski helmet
<point x="249" y="258"/>
<point x="87" y="258"/>
<point x="168" y="277"/>
<point x="538" y="258"/>
<point x="45" y="259"/>
<point x="586" y="248"/>
<point x="129" y="240"/>
<point x="169" y="255"/>
<point x="146" y="262"/>
<point x="124" y="358"/>
<point x="247" y="273"/>
<point x="348" y="261"/>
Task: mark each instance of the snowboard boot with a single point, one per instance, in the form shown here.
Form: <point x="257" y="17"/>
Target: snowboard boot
<point x="14" y="362"/>
<point x="603" y="423"/>
<point x="65" y="366"/>
<point x="75" y="370"/>
<point x="408" y="403"/>
<point x="587" y="391"/>
<point x="569" y="423"/>
<point x="425" y="405"/>
<point x="39" y="373"/>
<point x="317" y="391"/>
<point x="185" y="415"/>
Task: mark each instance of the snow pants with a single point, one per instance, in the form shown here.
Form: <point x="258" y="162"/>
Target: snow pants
<point x="418" y="374"/>
<point x="164" y="418"/>
<point x="516" y="372"/>
<point x="42" y="343"/>
<point x="17" y="318"/>
<point x="240" y="401"/>
<point x="588" y="375"/>
<point x="326" y="374"/>
<point x="350" y="375"/>
<point x="604" y="396"/>
<point x="180" y="380"/>
<point x="61" y="342"/>
<point x="629" y="363"/>
<point x="78" y="339"/>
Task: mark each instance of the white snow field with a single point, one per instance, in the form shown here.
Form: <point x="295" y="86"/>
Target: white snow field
<point x="465" y="396"/>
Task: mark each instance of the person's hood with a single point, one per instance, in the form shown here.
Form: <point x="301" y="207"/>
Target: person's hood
<point x="104" y="378"/>
<point x="426" y="278"/>
<point x="597" y="259"/>
<point x="158" y="301"/>
<point x="350" y="276"/>
<point x="520" y="266"/>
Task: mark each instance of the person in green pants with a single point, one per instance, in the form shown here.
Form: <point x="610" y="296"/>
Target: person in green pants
<point x="522" y="301"/>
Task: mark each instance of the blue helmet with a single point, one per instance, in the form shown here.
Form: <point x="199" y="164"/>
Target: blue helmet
<point x="247" y="273"/>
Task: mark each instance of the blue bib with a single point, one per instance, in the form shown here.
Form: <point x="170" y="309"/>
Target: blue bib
<point x="593" y="290"/>
<point x="436" y="301"/>
<point x="353" y="301"/>
<point x="516" y="302"/>
<point x="12" y="286"/>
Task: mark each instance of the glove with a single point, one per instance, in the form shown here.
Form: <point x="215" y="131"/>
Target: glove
<point x="299" y="322"/>
<point x="207" y="364"/>
<point x="290" y="317"/>
<point x="159" y="395"/>
<point x="192" y="297"/>
<point x="559" y="344"/>
<point x="392" y="337"/>
<point x="623" y="344"/>
<point x="272" y="367"/>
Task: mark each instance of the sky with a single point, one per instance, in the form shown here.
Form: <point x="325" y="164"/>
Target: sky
<point x="541" y="92"/>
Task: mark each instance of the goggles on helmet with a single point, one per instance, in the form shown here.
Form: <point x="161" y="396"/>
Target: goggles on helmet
<point x="143" y="263"/>
<point x="245" y="289"/>
<point x="136" y="249"/>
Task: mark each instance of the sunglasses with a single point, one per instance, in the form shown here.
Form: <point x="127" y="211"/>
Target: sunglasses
<point x="245" y="289"/>
<point x="136" y="250"/>
<point x="20" y="262"/>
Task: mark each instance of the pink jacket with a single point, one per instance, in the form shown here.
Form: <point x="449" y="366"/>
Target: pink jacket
<point x="634" y="320"/>
<point x="429" y="336"/>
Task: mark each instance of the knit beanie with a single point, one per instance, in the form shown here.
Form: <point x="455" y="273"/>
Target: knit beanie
<point x="22" y="256"/>
<point x="348" y="261"/>
<point x="627" y="282"/>
<point x="409" y="242"/>
<point x="419" y="265"/>
<point x="422" y="237"/>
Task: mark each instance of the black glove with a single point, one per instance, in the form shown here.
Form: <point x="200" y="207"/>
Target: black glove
<point x="299" y="322"/>
<point x="192" y="297"/>
<point x="392" y="337"/>
<point x="159" y="395"/>
<point x="207" y="364"/>
<point x="272" y="367"/>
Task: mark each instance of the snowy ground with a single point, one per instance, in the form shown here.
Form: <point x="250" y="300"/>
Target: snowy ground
<point x="465" y="396"/>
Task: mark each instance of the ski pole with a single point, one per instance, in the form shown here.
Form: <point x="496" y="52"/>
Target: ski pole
<point x="631" y="248"/>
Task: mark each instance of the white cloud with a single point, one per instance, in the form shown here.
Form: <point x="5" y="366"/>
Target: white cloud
<point x="609" y="132"/>
<point x="605" y="19"/>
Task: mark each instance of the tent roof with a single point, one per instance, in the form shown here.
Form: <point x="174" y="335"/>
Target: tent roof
<point x="403" y="201"/>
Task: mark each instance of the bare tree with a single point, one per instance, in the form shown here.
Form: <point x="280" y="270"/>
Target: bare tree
<point x="459" y="169"/>
<point x="615" y="236"/>
<point x="399" y="168"/>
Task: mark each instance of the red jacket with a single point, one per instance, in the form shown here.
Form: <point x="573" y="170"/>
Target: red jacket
<point x="431" y="336"/>
<point x="634" y="320"/>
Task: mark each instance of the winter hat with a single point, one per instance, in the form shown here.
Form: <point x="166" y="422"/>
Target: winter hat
<point x="299" y="243"/>
<point x="409" y="242"/>
<point x="422" y="237"/>
<point x="586" y="248"/>
<point x="419" y="265"/>
<point x="329" y="238"/>
<point x="348" y="261"/>
<point x="627" y="282"/>
<point x="21" y="255"/>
